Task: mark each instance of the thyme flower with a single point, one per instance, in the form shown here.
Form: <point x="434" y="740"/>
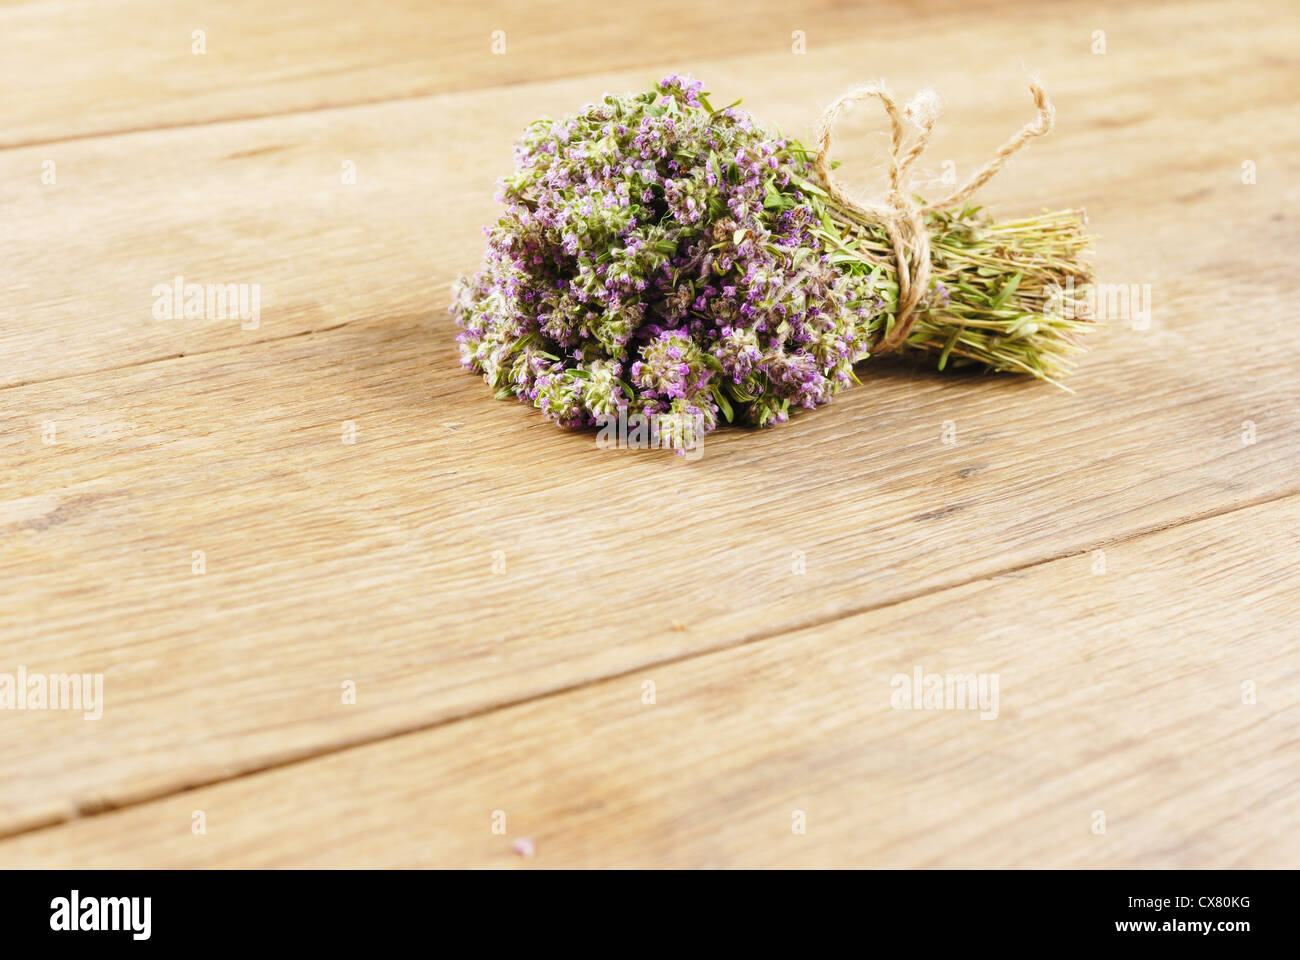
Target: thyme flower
<point x="658" y="255"/>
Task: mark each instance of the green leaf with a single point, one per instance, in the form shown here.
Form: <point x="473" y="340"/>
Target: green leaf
<point x="810" y="187"/>
<point x="952" y="341"/>
<point x="723" y="404"/>
<point x="1005" y="293"/>
<point x="829" y="225"/>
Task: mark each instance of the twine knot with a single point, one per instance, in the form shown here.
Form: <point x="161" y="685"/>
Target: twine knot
<point x="903" y="217"/>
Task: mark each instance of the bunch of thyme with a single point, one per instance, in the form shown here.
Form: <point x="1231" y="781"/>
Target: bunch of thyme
<point x="658" y="255"/>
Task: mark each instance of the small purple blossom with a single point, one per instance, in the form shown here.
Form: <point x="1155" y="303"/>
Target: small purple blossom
<point x="658" y="255"/>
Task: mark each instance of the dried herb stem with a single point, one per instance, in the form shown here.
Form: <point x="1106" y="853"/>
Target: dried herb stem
<point x="1008" y="295"/>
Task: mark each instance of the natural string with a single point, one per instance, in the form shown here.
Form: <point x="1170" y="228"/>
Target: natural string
<point x="901" y="216"/>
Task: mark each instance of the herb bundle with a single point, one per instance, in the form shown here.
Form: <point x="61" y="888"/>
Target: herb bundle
<point x="664" y="257"/>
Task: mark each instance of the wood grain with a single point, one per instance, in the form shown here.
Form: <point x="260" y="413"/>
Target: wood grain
<point x="1090" y="717"/>
<point x="372" y="561"/>
<point x="82" y="68"/>
<point x="265" y="201"/>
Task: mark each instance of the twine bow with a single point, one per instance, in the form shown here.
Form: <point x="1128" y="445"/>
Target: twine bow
<point x="902" y="217"/>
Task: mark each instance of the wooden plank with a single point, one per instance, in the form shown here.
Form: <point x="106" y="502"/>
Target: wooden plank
<point x="77" y="69"/>
<point x="372" y="562"/>
<point x="1122" y="692"/>
<point x="265" y="202"/>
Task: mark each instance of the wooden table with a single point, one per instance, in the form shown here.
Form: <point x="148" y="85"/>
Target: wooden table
<point x="349" y="610"/>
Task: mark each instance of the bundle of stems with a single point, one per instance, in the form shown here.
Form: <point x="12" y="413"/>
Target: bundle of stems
<point x="661" y="256"/>
<point x="1005" y="295"/>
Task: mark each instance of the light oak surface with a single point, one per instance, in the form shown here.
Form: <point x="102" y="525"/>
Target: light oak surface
<point x="737" y="742"/>
<point x="1123" y="558"/>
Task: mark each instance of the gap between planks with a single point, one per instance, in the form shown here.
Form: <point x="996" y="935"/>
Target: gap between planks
<point x="830" y="53"/>
<point x="87" y="812"/>
<point x="1119" y="371"/>
<point x="829" y="20"/>
<point x="168" y="357"/>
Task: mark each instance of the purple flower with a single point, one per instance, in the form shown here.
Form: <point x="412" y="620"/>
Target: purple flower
<point x="650" y="238"/>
